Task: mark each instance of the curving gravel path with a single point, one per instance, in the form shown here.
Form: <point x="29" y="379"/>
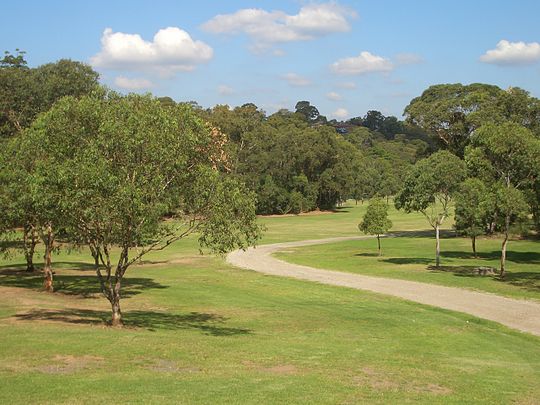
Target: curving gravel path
<point x="518" y="314"/>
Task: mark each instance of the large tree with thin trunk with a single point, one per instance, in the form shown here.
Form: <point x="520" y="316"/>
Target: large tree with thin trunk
<point x="430" y="187"/>
<point x="375" y="221"/>
<point x="453" y="112"/>
<point x="507" y="156"/>
<point x="134" y="176"/>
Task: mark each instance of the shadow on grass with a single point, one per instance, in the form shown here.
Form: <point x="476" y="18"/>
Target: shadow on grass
<point x="461" y="271"/>
<point x="367" y="254"/>
<point x="526" y="280"/>
<point x="427" y="233"/>
<point x="408" y="260"/>
<point x="529" y="281"/>
<point x="511" y="256"/>
<point x="209" y="324"/>
<point x="79" y="285"/>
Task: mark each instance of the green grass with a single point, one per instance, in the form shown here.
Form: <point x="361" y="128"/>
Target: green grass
<point x="412" y="258"/>
<point x="202" y="332"/>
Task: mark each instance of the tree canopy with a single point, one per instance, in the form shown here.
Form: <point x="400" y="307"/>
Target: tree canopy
<point x="116" y="167"/>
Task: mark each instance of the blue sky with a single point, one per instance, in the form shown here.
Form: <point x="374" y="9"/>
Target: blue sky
<point x="345" y="57"/>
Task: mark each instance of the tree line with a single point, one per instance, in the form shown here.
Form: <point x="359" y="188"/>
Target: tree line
<point x="81" y="165"/>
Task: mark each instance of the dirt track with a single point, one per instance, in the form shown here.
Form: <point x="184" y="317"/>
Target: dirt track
<point x="518" y="314"/>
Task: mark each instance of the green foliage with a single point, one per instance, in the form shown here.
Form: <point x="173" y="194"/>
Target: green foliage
<point x="375" y="221"/>
<point x="472" y="208"/>
<point x="453" y="112"/>
<point x="432" y="180"/>
<point x="112" y="168"/>
<point x="25" y="92"/>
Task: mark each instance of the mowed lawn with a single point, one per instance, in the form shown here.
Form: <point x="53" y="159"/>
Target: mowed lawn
<point x="202" y="332"/>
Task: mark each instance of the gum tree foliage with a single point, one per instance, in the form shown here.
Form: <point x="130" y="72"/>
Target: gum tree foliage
<point x="429" y="189"/>
<point x="375" y="221"/>
<point x="309" y="112"/>
<point x="452" y="112"/>
<point x="24" y="93"/>
<point x="473" y="206"/>
<point x="292" y="166"/>
<point x="133" y="176"/>
<point x="507" y="157"/>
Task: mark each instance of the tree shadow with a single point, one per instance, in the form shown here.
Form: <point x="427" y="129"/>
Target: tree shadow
<point x="210" y="324"/>
<point x="367" y="254"/>
<point x="511" y="256"/>
<point x="338" y="210"/>
<point x="460" y="271"/>
<point x="77" y="285"/>
<point x="426" y="233"/>
<point x="525" y="280"/>
<point x="408" y="260"/>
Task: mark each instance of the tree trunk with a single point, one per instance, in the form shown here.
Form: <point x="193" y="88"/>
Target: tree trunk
<point x="115" y="304"/>
<point x="437" y="246"/>
<point x="473" y="239"/>
<point x="30" y="242"/>
<point x="504" y="244"/>
<point x="379" y="244"/>
<point x="47" y="269"/>
<point x="116" y="313"/>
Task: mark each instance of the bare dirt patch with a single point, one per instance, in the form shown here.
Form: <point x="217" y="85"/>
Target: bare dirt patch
<point x="383" y="381"/>
<point x="68" y="364"/>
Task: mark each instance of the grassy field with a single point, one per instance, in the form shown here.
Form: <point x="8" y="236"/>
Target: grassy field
<point x="202" y="332"/>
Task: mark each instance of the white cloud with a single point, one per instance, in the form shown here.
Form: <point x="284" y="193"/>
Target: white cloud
<point x="340" y="113"/>
<point x="334" y="96"/>
<point x="408" y="59"/>
<point x="512" y="53"/>
<point x="132" y="84"/>
<point x="296" y="80"/>
<point x="347" y="85"/>
<point x="361" y="64"/>
<point x="171" y="50"/>
<point x="224" y="90"/>
<point x="267" y="28"/>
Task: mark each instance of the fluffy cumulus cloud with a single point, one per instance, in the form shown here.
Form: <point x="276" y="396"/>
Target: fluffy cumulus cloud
<point x="296" y="80"/>
<point x="340" y="113"/>
<point x="132" y="84"/>
<point x="334" y="96"/>
<point x="171" y="50"/>
<point x="512" y="53"/>
<point x="362" y="64"/>
<point x="267" y="28"/>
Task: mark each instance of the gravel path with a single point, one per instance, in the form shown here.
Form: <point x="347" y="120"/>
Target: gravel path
<point x="518" y="314"/>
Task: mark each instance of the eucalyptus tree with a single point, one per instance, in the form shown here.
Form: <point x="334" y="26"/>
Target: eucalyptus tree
<point x="25" y="92"/>
<point x="134" y="176"/>
<point x="453" y="112"/>
<point x="506" y="156"/>
<point x="474" y="204"/>
<point x="375" y="221"/>
<point x="429" y="188"/>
